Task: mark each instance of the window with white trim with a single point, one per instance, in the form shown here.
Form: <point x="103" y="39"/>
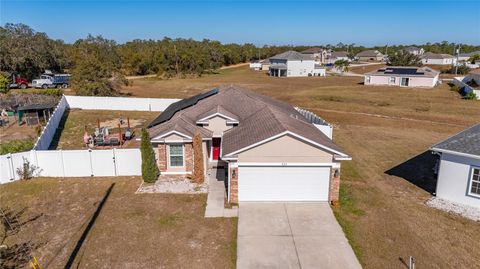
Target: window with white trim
<point x="475" y="184"/>
<point x="392" y="79"/>
<point x="367" y="78"/>
<point x="176" y="155"/>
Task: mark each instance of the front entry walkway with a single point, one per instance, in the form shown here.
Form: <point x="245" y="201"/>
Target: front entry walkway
<point x="216" y="196"/>
<point x="291" y="235"/>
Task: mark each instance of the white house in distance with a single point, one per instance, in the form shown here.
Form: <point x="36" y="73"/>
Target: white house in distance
<point x="459" y="167"/>
<point x="256" y="65"/>
<point x="469" y="83"/>
<point x="463" y="57"/>
<point x="439" y="59"/>
<point x="294" y="64"/>
<point x="370" y="56"/>
<point x="414" y="50"/>
<point x="337" y="56"/>
<point x="403" y="76"/>
<point x="319" y="55"/>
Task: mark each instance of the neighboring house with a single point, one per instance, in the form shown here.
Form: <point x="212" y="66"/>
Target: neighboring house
<point x="463" y="57"/>
<point x="318" y="54"/>
<point x="459" y="167"/>
<point x="265" y="65"/>
<point x="337" y="56"/>
<point x="271" y="150"/>
<point x="414" y="50"/>
<point x="403" y="76"/>
<point x="438" y="59"/>
<point x="256" y="65"/>
<point x="294" y="64"/>
<point x="469" y="83"/>
<point x="370" y="56"/>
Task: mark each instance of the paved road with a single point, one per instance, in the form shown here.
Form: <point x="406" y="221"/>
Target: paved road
<point x="291" y="235"/>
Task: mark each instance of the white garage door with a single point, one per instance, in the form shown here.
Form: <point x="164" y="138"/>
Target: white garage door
<point x="275" y="183"/>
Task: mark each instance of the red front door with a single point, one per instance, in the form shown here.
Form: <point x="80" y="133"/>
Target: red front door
<point x="215" y="148"/>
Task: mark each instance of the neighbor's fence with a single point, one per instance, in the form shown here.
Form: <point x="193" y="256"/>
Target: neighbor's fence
<point x="81" y="163"/>
<point x="461" y="82"/>
<point x="119" y="103"/>
<point x="46" y="137"/>
<point x="73" y="163"/>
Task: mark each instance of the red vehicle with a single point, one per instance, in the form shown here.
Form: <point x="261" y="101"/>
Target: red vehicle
<point x="18" y="82"/>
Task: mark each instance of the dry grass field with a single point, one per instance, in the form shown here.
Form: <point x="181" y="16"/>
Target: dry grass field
<point x="130" y="231"/>
<point x="72" y="127"/>
<point x="387" y="131"/>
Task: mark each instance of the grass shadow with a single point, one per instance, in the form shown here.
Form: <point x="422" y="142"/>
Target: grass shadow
<point x="59" y="130"/>
<point x="418" y="170"/>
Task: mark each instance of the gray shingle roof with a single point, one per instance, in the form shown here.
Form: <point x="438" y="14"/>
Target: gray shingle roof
<point x="467" y="141"/>
<point x="260" y="117"/>
<point x="291" y="56"/>
<point x="369" y="53"/>
<point x="431" y="55"/>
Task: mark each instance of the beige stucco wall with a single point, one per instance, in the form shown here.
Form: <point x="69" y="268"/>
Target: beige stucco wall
<point x="286" y="149"/>
<point x="217" y="125"/>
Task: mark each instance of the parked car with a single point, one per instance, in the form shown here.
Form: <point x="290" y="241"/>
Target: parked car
<point x="50" y="80"/>
<point x="18" y="82"/>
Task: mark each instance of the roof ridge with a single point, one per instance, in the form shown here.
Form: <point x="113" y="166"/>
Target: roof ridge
<point x="463" y="131"/>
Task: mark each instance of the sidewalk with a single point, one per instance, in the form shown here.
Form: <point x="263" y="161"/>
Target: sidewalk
<point x="216" y="196"/>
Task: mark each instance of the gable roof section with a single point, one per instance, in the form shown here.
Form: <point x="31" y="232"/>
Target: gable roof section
<point x="369" y="53"/>
<point x="339" y="54"/>
<point x="291" y="56"/>
<point x="430" y="55"/>
<point x="218" y="110"/>
<point x="180" y="105"/>
<point x="179" y="125"/>
<point x="313" y="50"/>
<point x="466" y="142"/>
<point x="268" y="123"/>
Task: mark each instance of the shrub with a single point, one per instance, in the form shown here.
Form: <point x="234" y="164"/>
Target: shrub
<point x="455" y="88"/>
<point x="198" y="169"/>
<point x="150" y="170"/>
<point x="17" y="146"/>
<point x="27" y="170"/>
<point x="51" y="92"/>
<point x="4" y="84"/>
<point x="470" y="96"/>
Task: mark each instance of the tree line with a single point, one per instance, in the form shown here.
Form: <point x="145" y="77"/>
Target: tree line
<point x="98" y="65"/>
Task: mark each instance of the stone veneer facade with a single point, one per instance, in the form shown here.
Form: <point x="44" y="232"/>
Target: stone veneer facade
<point x="233" y="185"/>
<point x="334" y="186"/>
<point x="161" y="155"/>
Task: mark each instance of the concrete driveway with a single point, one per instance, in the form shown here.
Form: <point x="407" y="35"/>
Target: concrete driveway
<point x="291" y="235"/>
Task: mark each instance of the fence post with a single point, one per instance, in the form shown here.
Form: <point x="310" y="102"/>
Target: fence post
<point x="91" y="162"/>
<point x="63" y="165"/>
<point x="12" y="169"/>
<point x="114" y="161"/>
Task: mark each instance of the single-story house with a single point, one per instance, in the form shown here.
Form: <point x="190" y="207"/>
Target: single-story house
<point x="469" y="83"/>
<point x="337" y="56"/>
<point x="440" y="59"/>
<point x="463" y="57"/>
<point x="293" y="64"/>
<point x="271" y="150"/>
<point x="255" y="65"/>
<point x="370" y="56"/>
<point x="458" y="177"/>
<point x="265" y="64"/>
<point x="320" y="55"/>
<point x="403" y="76"/>
<point x="414" y="50"/>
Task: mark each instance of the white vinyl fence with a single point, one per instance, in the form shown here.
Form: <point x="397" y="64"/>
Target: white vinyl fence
<point x="119" y="103"/>
<point x="81" y="163"/>
<point x="48" y="132"/>
<point x="73" y="163"/>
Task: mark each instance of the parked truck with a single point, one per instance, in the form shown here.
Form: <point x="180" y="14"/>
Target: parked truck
<point x="50" y="80"/>
<point x="18" y="82"/>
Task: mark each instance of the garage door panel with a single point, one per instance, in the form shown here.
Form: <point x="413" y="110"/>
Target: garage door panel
<point x="283" y="183"/>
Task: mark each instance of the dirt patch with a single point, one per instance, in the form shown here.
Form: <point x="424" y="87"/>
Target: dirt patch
<point x="131" y="231"/>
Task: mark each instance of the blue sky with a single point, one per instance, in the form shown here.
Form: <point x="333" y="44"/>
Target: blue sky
<point x="259" y="22"/>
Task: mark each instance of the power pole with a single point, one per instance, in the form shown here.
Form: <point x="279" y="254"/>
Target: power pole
<point x="456" y="63"/>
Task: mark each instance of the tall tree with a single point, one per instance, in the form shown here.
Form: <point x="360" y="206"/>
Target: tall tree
<point x="403" y="58"/>
<point x="150" y="170"/>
